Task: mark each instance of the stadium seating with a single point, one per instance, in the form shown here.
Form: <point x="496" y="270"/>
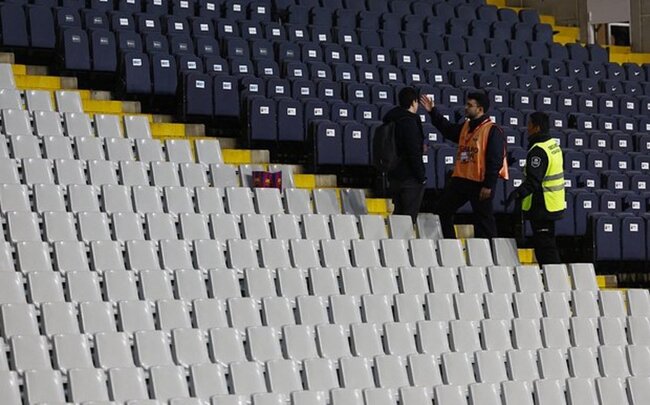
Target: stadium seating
<point x="145" y="270"/>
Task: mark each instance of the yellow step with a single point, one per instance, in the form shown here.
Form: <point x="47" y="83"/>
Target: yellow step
<point x="166" y="129"/>
<point x="498" y="3"/>
<point x="568" y="31"/>
<point x="618" y="49"/>
<point x="639" y="58"/>
<point x="378" y="205"/>
<point x="608" y="281"/>
<point x="237" y="156"/>
<point x="35" y="82"/>
<point x="527" y="256"/>
<point x="547" y="19"/>
<point x="302" y="180"/>
<point x="563" y="39"/>
<point x="102" y="107"/>
<point x="19" y="69"/>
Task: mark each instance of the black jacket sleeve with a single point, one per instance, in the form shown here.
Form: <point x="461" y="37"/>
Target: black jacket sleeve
<point x="493" y="157"/>
<point x="446" y="128"/>
<point x="412" y="151"/>
<point x="536" y="165"/>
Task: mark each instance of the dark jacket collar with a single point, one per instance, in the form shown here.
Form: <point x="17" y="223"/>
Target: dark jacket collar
<point x="538" y="137"/>
<point x="477" y="121"/>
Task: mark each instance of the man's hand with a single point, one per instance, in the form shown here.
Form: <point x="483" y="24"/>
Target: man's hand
<point x="485" y="193"/>
<point x="426" y="103"/>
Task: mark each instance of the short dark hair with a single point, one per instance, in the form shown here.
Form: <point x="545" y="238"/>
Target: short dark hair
<point x="541" y="120"/>
<point x="407" y="96"/>
<point x="482" y="100"/>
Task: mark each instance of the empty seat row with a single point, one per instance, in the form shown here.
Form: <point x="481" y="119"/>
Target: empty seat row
<point x="401" y="367"/>
<point x="240" y="336"/>
<point x="464" y="312"/>
<point x="66" y="101"/>
<point x="247" y="381"/>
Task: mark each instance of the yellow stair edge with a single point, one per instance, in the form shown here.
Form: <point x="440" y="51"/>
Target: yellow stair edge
<point x="618" y="49"/>
<point x="304" y="180"/>
<point x="159" y="129"/>
<point x="25" y="82"/>
<point x="19" y="69"/>
<point x="378" y="205"/>
<point x="237" y="156"/>
<point x="547" y="19"/>
<point x="498" y="3"/>
<point x="527" y="256"/>
<point x="607" y="281"/>
<point x="102" y="107"/>
<point x="464" y="231"/>
<point x="562" y="39"/>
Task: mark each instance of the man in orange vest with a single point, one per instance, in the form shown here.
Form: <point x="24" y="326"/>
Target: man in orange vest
<point x="480" y="161"/>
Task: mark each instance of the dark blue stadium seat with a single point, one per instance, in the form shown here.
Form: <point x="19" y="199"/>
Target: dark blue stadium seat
<point x="303" y="89"/>
<point x="274" y="31"/>
<point x="226" y="29"/>
<point x="181" y="45"/>
<point x="103" y="51"/>
<point x="93" y="19"/>
<point x="355" y="144"/>
<point x="634" y="72"/>
<point x="76" y="49"/>
<point x="121" y="21"/>
<point x="445" y="156"/>
<point x="262" y="118"/>
<point x="597" y="53"/>
<point x="216" y="65"/>
<point x="585" y="203"/>
<point x="182" y="8"/>
<point x="198" y="94"/>
<point x="41" y="27"/>
<point x="344" y="18"/>
<point x="633" y="238"/>
<point x="235" y="9"/>
<point x="156" y="7"/>
<point x="164" y="74"/>
<point x="129" y="42"/>
<point x="136" y="73"/>
<point x="130" y="6"/>
<point x="328" y="142"/>
<point x="607" y="237"/>
<point x="189" y="64"/>
<point x="147" y="23"/>
<point x="207" y="47"/>
<point x="588" y="180"/>
<point x="65" y="18"/>
<point x="101" y="5"/>
<point x="356" y="54"/>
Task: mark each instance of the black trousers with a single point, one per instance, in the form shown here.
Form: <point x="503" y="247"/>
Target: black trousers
<point x="455" y="196"/>
<point x="544" y="242"/>
<point x="407" y="197"/>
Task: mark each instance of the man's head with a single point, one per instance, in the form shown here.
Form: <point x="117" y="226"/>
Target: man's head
<point x="408" y="99"/>
<point x="538" y="122"/>
<point x="477" y="104"/>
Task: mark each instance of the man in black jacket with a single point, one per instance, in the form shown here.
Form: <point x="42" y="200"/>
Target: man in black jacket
<point x="542" y="191"/>
<point x="407" y="179"/>
<point x="478" y="164"/>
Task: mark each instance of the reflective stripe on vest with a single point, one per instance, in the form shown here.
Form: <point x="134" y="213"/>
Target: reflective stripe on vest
<point x="553" y="181"/>
<point x="470" y="158"/>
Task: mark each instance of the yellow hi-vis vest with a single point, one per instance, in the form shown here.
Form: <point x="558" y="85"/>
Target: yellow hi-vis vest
<point x="553" y="181"/>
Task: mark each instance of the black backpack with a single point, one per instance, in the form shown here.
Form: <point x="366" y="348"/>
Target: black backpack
<point x="384" y="148"/>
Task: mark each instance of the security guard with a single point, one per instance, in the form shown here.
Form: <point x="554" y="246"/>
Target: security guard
<point x="542" y="191"/>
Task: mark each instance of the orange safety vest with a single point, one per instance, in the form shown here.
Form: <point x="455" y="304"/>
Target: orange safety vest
<point x="470" y="158"/>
